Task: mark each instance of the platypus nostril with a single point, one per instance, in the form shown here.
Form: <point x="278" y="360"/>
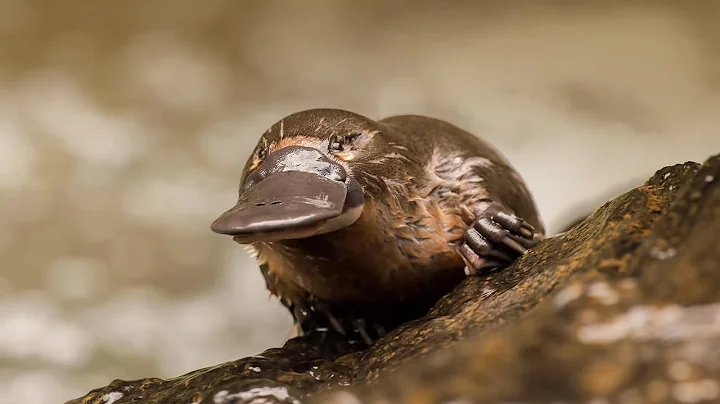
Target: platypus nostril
<point x="260" y="204"/>
<point x="276" y="202"/>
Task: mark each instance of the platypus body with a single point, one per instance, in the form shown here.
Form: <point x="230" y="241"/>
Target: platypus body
<point x="359" y="224"/>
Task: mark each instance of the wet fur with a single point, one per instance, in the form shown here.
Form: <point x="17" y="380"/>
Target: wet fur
<point x="419" y="175"/>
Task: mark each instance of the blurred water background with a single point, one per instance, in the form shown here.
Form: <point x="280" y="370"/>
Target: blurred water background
<point x="124" y="126"/>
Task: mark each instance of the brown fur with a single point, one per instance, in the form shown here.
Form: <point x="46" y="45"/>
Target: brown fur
<point x="419" y="175"/>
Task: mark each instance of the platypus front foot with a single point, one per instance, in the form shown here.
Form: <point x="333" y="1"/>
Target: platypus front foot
<point x="495" y="239"/>
<point x="316" y="315"/>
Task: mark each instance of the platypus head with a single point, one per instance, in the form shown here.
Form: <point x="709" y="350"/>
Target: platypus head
<point x="304" y="178"/>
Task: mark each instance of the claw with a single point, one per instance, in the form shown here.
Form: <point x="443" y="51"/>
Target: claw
<point x="334" y="322"/>
<point x="527" y="232"/>
<point x="316" y="315"/>
<point x="380" y="330"/>
<point x="359" y="325"/>
<point x="471" y="258"/>
<point x="514" y="224"/>
<point x="508" y="241"/>
<point x="495" y="238"/>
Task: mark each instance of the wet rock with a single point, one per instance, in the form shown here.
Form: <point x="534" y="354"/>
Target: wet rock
<point x="625" y="307"/>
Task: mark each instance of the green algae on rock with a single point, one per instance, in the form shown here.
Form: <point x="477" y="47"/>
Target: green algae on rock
<point x="624" y="307"/>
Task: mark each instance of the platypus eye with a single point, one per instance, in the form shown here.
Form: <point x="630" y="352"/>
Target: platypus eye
<point x="262" y="153"/>
<point x="335" y="146"/>
<point x="339" y="144"/>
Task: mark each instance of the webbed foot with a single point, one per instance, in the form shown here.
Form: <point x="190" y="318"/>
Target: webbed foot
<point x="495" y="239"/>
<point x="315" y="315"/>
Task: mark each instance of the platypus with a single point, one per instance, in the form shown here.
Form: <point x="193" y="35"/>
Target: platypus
<point x="359" y="224"/>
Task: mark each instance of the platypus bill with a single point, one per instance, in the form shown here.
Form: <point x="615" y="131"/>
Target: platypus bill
<point x="358" y="225"/>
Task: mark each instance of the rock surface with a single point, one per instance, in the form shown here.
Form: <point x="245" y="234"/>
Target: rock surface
<point x="625" y="307"/>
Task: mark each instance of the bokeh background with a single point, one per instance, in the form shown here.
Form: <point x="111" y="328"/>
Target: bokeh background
<point x="124" y="127"/>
